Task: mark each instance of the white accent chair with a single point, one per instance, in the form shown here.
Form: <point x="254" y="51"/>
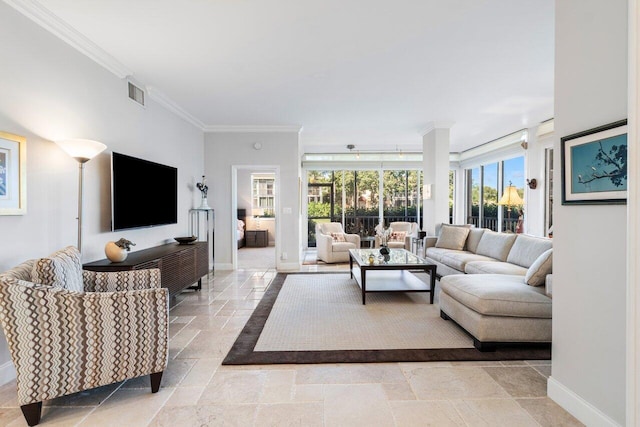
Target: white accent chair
<point x="331" y="251"/>
<point x="411" y="228"/>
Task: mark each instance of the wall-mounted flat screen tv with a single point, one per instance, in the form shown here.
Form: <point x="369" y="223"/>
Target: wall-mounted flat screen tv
<point x="143" y="193"/>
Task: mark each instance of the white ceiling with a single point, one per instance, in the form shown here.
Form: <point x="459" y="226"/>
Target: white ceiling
<point x="372" y="73"/>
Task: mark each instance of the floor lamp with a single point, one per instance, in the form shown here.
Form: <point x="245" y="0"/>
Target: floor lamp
<point x="509" y="198"/>
<point x="82" y="150"/>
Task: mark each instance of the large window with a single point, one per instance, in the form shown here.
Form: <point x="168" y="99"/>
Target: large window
<point x="486" y="184"/>
<point x="263" y="194"/>
<point x="490" y="195"/>
<point x="320" y="201"/>
<point x="473" y="196"/>
<point x="354" y="198"/>
<point x="513" y="175"/>
<point x="452" y="186"/>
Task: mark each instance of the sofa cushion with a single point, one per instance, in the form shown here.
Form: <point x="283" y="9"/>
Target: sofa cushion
<point x="452" y="237"/>
<point x="475" y="234"/>
<point x="526" y="249"/>
<point x="495" y="245"/>
<point x="437" y="253"/>
<point x="342" y="246"/>
<point x="537" y="273"/>
<point x="459" y="259"/>
<point x="440" y="225"/>
<point x="494" y="267"/>
<point x="61" y="269"/>
<point x="497" y="295"/>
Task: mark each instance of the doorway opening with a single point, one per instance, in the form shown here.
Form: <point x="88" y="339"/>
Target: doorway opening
<point x="255" y="225"/>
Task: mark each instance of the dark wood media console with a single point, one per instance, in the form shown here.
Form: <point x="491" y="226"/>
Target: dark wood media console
<point x="180" y="265"/>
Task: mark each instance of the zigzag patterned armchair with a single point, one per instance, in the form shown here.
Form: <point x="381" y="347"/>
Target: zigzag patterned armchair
<point x="70" y="330"/>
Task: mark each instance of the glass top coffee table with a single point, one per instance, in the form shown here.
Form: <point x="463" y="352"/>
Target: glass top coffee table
<point x="390" y="273"/>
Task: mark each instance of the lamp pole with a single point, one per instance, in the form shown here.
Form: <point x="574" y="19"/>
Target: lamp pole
<point x="82" y="150"/>
<point x="80" y="197"/>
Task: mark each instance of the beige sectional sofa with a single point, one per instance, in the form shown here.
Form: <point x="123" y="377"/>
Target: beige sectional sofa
<point x="493" y="284"/>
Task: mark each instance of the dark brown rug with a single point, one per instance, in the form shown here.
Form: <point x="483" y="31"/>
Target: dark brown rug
<point x="242" y="352"/>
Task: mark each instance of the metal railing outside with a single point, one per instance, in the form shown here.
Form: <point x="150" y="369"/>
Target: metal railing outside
<point x="492" y="223"/>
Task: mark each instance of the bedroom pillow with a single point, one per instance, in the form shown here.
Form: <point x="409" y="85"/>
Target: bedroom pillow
<point x="61" y="269"/>
<point x="240" y="224"/>
<point x="338" y="237"/>
<point x="452" y="237"/>
<point x="537" y="273"/>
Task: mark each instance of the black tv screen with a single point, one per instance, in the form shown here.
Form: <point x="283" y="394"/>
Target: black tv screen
<point x="143" y="193"/>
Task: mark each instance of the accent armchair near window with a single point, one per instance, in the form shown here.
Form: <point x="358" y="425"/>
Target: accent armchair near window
<point x="409" y="228"/>
<point x="81" y="329"/>
<point x="333" y="243"/>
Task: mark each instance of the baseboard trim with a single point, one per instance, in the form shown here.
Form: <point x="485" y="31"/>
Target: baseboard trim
<point x="7" y="372"/>
<point x="585" y="412"/>
<point x="223" y="266"/>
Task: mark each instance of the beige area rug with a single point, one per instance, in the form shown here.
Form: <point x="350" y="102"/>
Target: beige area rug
<point x="319" y="318"/>
<point x="325" y="312"/>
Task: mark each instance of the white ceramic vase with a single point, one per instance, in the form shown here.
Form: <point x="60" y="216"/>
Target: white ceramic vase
<point x="204" y="204"/>
<point x="114" y="252"/>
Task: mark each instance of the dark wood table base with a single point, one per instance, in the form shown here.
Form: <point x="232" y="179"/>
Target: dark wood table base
<point x="392" y="278"/>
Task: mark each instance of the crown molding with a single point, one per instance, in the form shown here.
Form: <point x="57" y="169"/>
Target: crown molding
<point x="52" y="23"/>
<point x="168" y="103"/>
<point x="250" y="129"/>
<point x="438" y="124"/>
<point x="545" y="128"/>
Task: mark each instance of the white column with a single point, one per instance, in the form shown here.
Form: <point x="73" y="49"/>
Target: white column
<point x="633" y="223"/>
<point x="435" y="164"/>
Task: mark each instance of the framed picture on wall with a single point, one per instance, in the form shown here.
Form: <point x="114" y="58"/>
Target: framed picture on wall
<point x="594" y="165"/>
<point x="13" y="174"/>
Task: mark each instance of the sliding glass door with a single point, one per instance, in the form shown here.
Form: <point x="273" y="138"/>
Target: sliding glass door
<point x="320" y="201"/>
<point x="357" y="199"/>
<point x="486" y="185"/>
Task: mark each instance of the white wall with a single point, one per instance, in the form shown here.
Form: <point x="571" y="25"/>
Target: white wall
<point x="535" y="169"/>
<point x="244" y="190"/>
<point x="224" y="150"/>
<point x="588" y="366"/>
<point x="50" y="91"/>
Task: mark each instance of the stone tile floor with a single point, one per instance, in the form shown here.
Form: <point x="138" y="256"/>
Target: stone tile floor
<point x="197" y="391"/>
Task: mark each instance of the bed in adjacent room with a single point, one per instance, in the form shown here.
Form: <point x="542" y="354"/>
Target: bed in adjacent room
<point x="241" y="225"/>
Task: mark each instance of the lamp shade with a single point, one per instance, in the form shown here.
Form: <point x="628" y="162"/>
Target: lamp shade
<point x="510" y="197"/>
<point x="82" y="150"/>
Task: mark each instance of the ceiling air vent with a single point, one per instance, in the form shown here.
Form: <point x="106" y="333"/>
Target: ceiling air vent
<point x="136" y="94"/>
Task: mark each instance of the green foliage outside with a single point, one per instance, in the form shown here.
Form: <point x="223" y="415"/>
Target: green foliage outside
<point x="318" y="210"/>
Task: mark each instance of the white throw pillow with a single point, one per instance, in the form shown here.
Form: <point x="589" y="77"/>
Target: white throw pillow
<point x="397" y="236"/>
<point x="338" y="237"/>
<point x="61" y="269"/>
<point x="537" y="273"/>
<point x="452" y="237"/>
<point x="495" y="245"/>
